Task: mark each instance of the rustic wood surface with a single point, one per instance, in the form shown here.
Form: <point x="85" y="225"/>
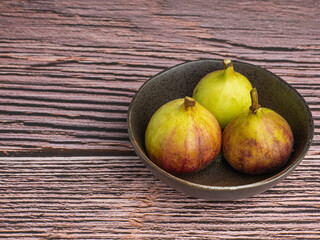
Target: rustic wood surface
<point x="68" y="72"/>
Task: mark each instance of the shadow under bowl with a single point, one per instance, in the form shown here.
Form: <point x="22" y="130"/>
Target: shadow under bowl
<point x="219" y="181"/>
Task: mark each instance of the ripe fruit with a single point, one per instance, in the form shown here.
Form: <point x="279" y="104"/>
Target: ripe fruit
<point x="182" y="136"/>
<point x="225" y="93"/>
<point x="257" y="141"/>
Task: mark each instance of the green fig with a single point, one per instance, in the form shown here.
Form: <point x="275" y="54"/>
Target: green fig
<point x="183" y="136"/>
<point x="225" y="93"/>
<point x="257" y="141"/>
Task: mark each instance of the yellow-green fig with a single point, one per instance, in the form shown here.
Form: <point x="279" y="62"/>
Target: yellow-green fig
<point x="257" y="141"/>
<point x="225" y="93"/>
<point x="183" y="136"/>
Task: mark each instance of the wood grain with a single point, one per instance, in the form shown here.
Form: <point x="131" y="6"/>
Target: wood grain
<point x="118" y="198"/>
<point x="68" y="71"/>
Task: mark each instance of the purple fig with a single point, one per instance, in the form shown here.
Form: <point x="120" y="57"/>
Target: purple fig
<point x="183" y="136"/>
<point x="257" y="141"/>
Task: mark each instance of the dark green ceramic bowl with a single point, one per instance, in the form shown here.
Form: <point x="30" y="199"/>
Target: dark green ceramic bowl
<point x="219" y="181"/>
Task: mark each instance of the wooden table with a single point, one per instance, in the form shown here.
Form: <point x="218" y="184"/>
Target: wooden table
<point x="68" y="72"/>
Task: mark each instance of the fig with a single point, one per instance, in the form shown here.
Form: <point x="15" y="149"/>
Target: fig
<point x="225" y="93"/>
<point x="183" y="136"/>
<point x="257" y="141"/>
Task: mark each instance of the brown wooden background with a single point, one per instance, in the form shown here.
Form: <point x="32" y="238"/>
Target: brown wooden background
<point x="68" y="71"/>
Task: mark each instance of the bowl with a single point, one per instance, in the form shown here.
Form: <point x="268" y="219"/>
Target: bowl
<point x="219" y="181"/>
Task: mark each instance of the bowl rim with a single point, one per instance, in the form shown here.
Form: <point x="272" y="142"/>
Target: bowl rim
<point x="269" y="180"/>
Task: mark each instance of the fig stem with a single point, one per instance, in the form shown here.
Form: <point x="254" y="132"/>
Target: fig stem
<point x="189" y="102"/>
<point x="254" y="100"/>
<point x="227" y="64"/>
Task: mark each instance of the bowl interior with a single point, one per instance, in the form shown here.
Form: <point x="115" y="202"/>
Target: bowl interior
<point x="180" y="81"/>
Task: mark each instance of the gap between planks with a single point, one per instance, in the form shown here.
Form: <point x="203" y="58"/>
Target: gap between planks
<point x="69" y="158"/>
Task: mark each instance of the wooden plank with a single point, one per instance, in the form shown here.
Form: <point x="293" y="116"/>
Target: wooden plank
<point x="72" y="69"/>
<point x="117" y="197"/>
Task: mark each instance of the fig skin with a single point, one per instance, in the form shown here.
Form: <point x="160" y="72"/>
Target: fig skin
<point x="225" y="93"/>
<point x="258" y="141"/>
<point x="183" y="137"/>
